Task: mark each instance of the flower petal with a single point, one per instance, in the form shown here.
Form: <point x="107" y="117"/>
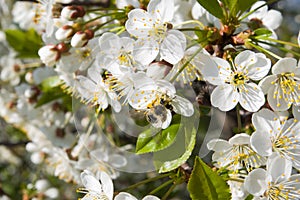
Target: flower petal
<point x="240" y="139"/>
<point x="90" y="182"/>
<point x="145" y="51"/>
<point x="252" y="98"/>
<point x="284" y="65"/>
<point x="279" y="167"/>
<point x="266" y="83"/>
<point x="260" y="68"/>
<point x="266" y="121"/>
<point x="222" y="92"/>
<point x="256" y="183"/>
<point x="173" y="46"/>
<point x="124" y="196"/>
<point x="218" y="145"/>
<point x="261" y="143"/>
<point x="163" y="9"/>
<point x="182" y="106"/>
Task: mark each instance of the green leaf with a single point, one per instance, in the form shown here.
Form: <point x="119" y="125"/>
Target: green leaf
<point x="148" y="143"/>
<point x="50" y="82"/>
<point x="238" y="7"/>
<point x="206" y="184"/>
<point x="179" y="152"/>
<point x="26" y="43"/>
<point x="51" y="95"/>
<point x="213" y="7"/>
<point x="263" y="32"/>
<point x="249" y="197"/>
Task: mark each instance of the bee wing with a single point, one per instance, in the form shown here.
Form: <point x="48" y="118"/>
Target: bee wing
<point x="167" y="122"/>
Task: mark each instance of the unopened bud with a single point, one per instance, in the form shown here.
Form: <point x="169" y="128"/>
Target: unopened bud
<point x="81" y="38"/>
<point x="49" y="55"/>
<point x="72" y="12"/>
<point x="64" y="33"/>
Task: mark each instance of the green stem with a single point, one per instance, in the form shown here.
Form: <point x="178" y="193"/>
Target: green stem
<point x="104" y="15"/>
<point x="280" y="42"/>
<point x="185" y="64"/>
<point x="235" y="179"/>
<point x="145" y="181"/>
<point x="162" y="186"/>
<point x="104" y="9"/>
<point x="281" y="48"/>
<point x="191" y="22"/>
<point x="188" y="29"/>
<point x="264" y="50"/>
<point x="239" y="119"/>
<point x="169" y="192"/>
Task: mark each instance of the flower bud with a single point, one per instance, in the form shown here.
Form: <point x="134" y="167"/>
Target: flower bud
<point x="81" y="38"/>
<point x="64" y="33"/>
<point x="49" y="55"/>
<point x="72" y="12"/>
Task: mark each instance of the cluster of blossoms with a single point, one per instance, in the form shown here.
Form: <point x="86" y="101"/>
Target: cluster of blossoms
<point x="136" y="56"/>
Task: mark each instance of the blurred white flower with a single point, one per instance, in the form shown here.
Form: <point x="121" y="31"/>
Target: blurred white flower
<point x="98" y="186"/>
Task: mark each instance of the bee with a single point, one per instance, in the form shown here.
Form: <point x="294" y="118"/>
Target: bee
<point x="157" y="115"/>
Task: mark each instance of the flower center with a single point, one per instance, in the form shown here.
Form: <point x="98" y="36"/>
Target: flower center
<point x="158" y="31"/>
<point x="239" y="78"/>
<point x="287" y="83"/>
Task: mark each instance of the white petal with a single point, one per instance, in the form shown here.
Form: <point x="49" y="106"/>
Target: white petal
<point x="109" y="42"/>
<point x="261" y="143"/>
<point x="107" y="184"/>
<point x="164" y="9"/>
<point x="90" y="182"/>
<point x="284" y="65"/>
<point x="145" y="51"/>
<point x="273" y="19"/>
<point x="209" y="69"/>
<point x="240" y="139"/>
<point x="266" y="83"/>
<point x="224" y="69"/>
<point x="252" y="98"/>
<point x="261" y="12"/>
<point x="280" y="168"/>
<point x="183" y="106"/>
<point x="218" y="145"/>
<point x="296" y="112"/>
<point x="139" y="23"/>
<point x="167" y="122"/>
<point x="266" y="121"/>
<point x="222" y="93"/>
<point x="244" y="59"/>
<point x="260" y="68"/>
<point x="124" y="196"/>
<point x="173" y="46"/>
<point x="256" y="183"/>
<point x="150" y="197"/>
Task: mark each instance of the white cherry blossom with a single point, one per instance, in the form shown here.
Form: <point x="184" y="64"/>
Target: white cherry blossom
<point x="155" y="34"/>
<point x="98" y="186"/>
<point x="235" y="154"/>
<point x="283" y="86"/>
<point x="96" y="91"/>
<point x="235" y="81"/>
<point x="276" y="182"/>
<point x="272" y="135"/>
